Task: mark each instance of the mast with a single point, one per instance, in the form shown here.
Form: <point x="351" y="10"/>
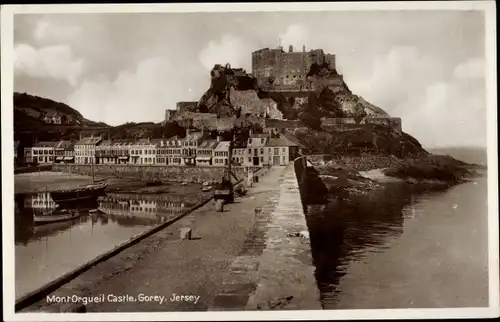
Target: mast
<point x="92" y="167"/>
<point x="230" y="155"/>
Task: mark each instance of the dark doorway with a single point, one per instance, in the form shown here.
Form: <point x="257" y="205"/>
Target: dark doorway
<point x="255" y="160"/>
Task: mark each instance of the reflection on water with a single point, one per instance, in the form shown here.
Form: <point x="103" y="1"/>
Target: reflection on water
<point x="45" y="252"/>
<point x="381" y="250"/>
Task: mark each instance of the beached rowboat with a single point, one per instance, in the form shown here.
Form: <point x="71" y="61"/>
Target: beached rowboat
<point x="52" y="218"/>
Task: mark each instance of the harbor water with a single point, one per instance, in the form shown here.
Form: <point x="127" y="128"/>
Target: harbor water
<point x="404" y="247"/>
<point x="45" y="252"/>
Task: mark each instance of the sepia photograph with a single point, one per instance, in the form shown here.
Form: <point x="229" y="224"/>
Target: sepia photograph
<point x="249" y="161"/>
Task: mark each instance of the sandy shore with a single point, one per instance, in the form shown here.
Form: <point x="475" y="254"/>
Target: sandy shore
<point x="378" y="176"/>
<point x="37" y="182"/>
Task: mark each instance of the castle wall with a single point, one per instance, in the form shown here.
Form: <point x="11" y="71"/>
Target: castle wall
<point x="288" y="69"/>
<point x="393" y="122"/>
<point x="196" y="174"/>
<point x="183" y="107"/>
<point x="349" y="123"/>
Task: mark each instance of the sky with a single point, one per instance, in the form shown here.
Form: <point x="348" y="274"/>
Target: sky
<point x="427" y="67"/>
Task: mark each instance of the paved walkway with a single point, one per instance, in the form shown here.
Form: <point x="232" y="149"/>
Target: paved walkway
<point x="164" y="265"/>
<point x="275" y="269"/>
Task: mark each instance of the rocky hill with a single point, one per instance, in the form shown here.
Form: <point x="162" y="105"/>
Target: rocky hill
<point x="33" y="109"/>
<point x="372" y="139"/>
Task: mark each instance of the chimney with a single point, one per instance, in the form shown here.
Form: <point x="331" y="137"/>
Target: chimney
<point x="290" y="48"/>
<point x="219" y="138"/>
<point x="250" y="133"/>
<point x="303" y="48"/>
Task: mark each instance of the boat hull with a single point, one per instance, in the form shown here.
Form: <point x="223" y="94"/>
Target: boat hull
<point x="77" y="196"/>
<point x="50" y="219"/>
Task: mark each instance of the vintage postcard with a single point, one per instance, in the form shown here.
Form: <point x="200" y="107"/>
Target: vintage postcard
<point x="249" y="161"/>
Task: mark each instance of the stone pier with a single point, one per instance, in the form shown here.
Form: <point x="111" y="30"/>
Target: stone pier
<point x="275" y="269"/>
<point x="248" y="257"/>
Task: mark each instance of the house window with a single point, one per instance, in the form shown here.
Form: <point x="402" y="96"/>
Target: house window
<point x="283" y="150"/>
<point x="276" y="151"/>
<point x="261" y="150"/>
<point x="250" y="159"/>
<point x="40" y="159"/>
<point x="249" y="151"/>
<point x="261" y="159"/>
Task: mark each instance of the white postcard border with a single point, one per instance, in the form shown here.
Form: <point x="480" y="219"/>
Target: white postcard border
<point x="7" y="58"/>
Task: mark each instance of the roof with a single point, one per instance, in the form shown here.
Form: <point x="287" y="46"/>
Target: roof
<point x="291" y="138"/>
<point x="280" y="142"/>
<point x="65" y="144"/>
<point x="105" y="143"/>
<point x="89" y="140"/>
<point x="260" y="135"/>
<point x="144" y="142"/>
<point x="208" y="145"/>
<point x="194" y="136"/>
<point x="52" y="114"/>
<point x="46" y="144"/>
<point x="122" y="142"/>
<point x="223" y="146"/>
<point x="259" y="140"/>
<point x="282" y="124"/>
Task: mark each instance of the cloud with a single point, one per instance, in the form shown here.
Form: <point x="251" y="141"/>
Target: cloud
<point x="55" y="31"/>
<point x="295" y="35"/>
<point x="473" y="68"/>
<point x="141" y="95"/>
<point x="229" y="49"/>
<point x="56" y="62"/>
<point x="439" y="108"/>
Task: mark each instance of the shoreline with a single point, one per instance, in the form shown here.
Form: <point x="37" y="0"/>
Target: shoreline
<point x="47" y="181"/>
<point x="346" y="175"/>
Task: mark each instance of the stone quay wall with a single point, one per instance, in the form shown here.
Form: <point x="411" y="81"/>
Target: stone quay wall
<point x="156" y="172"/>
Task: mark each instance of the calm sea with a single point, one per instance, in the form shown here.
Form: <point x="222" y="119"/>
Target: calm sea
<point x="405" y="247"/>
<point x="44" y="253"/>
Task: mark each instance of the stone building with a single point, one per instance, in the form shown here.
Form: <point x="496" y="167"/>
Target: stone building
<point x="190" y="145"/>
<point x="205" y="152"/>
<point x="281" y="151"/>
<point x="43" y="152"/>
<point x="173" y="151"/>
<point x="240" y="155"/>
<point x="278" y="70"/>
<point x="85" y="150"/>
<point x="28" y="155"/>
<point x="170" y="115"/>
<point x="60" y="152"/>
<point x="256" y="153"/>
<point x="143" y="151"/>
<point x="221" y="154"/>
<point x="53" y="118"/>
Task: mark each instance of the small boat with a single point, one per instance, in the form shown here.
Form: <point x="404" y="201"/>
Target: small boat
<point x="207" y="188"/>
<point x="154" y="183"/>
<point x="66" y="198"/>
<point x="224" y="191"/>
<point x="79" y="194"/>
<point x="63" y="215"/>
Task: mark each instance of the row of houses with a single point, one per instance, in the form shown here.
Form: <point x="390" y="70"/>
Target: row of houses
<point x="196" y="149"/>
